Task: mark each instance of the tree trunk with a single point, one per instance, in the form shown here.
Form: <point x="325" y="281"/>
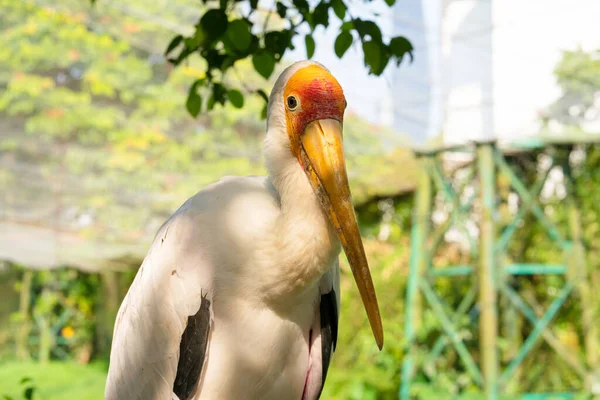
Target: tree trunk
<point x="25" y="327"/>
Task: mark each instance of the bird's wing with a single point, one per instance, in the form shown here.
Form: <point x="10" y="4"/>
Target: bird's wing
<point x="323" y="333"/>
<point x="163" y="325"/>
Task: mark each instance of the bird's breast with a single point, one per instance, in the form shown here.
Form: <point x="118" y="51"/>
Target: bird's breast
<point x="263" y="351"/>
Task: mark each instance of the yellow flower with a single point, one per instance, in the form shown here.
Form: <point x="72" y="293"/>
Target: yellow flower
<point x="67" y="332"/>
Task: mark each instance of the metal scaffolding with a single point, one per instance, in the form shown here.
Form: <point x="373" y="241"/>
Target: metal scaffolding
<point x="488" y="273"/>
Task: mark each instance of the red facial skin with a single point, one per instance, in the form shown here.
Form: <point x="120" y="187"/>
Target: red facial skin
<point x="318" y="95"/>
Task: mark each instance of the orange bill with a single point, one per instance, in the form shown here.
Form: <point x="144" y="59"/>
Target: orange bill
<point x="322" y="155"/>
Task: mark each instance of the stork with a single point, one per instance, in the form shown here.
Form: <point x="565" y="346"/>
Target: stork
<point x="238" y="295"/>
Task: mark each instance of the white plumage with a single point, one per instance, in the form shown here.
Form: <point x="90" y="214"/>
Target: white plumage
<point x="261" y="252"/>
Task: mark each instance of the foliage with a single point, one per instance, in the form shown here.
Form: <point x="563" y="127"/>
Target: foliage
<point x="231" y="31"/>
<point x="359" y="370"/>
<point x="61" y="315"/>
<point x="118" y="148"/>
<point x="54" y="381"/>
<point x="28" y="390"/>
<point x="575" y="326"/>
<point x="105" y="155"/>
<point x="578" y="112"/>
<point x="578" y="75"/>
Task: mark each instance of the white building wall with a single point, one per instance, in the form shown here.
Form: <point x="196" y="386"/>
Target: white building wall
<point x="499" y="58"/>
<point x="467" y="71"/>
<point x="416" y="86"/>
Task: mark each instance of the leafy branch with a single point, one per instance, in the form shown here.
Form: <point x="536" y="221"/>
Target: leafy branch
<point x="223" y="37"/>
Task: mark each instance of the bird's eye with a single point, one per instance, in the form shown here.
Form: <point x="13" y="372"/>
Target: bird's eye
<point x="292" y="103"/>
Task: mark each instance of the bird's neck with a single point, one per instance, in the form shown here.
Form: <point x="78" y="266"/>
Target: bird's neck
<point x="305" y="238"/>
<point x="300" y="206"/>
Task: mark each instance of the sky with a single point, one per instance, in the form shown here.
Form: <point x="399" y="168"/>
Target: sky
<point x="363" y="92"/>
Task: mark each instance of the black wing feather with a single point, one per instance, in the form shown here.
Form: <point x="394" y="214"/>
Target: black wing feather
<point x="192" y="351"/>
<point x="329" y="330"/>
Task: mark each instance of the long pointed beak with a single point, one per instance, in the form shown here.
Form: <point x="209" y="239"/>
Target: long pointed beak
<point x="322" y="155"/>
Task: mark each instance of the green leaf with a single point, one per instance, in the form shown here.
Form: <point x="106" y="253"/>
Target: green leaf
<point x="385" y="58"/>
<point x="390" y="2"/>
<point x="219" y="93"/>
<point x="6" y="397"/>
<point x="210" y="104"/>
<point x="320" y="15"/>
<point x="264" y="63"/>
<point x="28" y="393"/>
<point x="185" y="52"/>
<point x="277" y="43"/>
<point x="373" y="57"/>
<point x="174" y="43"/>
<point x="368" y="28"/>
<point x="399" y="46"/>
<point x="342" y="43"/>
<point x="194" y="100"/>
<point x="238" y="32"/>
<point x="25" y="380"/>
<point x="253" y="4"/>
<point x="310" y="46"/>
<point x="281" y="9"/>
<point x="262" y="94"/>
<point x="263" y="113"/>
<point x="228" y="62"/>
<point x="214" y="23"/>
<point x="236" y="98"/>
<point x="302" y="6"/>
<point x="347" y="26"/>
<point x="194" y="104"/>
<point x="214" y="58"/>
<point x="339" y="8"/>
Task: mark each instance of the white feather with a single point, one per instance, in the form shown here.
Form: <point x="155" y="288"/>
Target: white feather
<point x="262" y="250"/>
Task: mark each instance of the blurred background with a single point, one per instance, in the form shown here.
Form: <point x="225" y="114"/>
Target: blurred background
<point x="97" y="149"/>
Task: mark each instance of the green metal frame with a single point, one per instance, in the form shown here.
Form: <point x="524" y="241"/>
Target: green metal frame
<point x="489" y="274"/>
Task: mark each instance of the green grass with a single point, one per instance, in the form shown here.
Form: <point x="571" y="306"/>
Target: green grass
<point x="54" y="381"/>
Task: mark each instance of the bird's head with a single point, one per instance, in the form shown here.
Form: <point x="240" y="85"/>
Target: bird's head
<point x="308" y="104"/>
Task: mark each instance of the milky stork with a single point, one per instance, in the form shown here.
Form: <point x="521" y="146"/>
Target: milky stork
<point x="238" y="296"/>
